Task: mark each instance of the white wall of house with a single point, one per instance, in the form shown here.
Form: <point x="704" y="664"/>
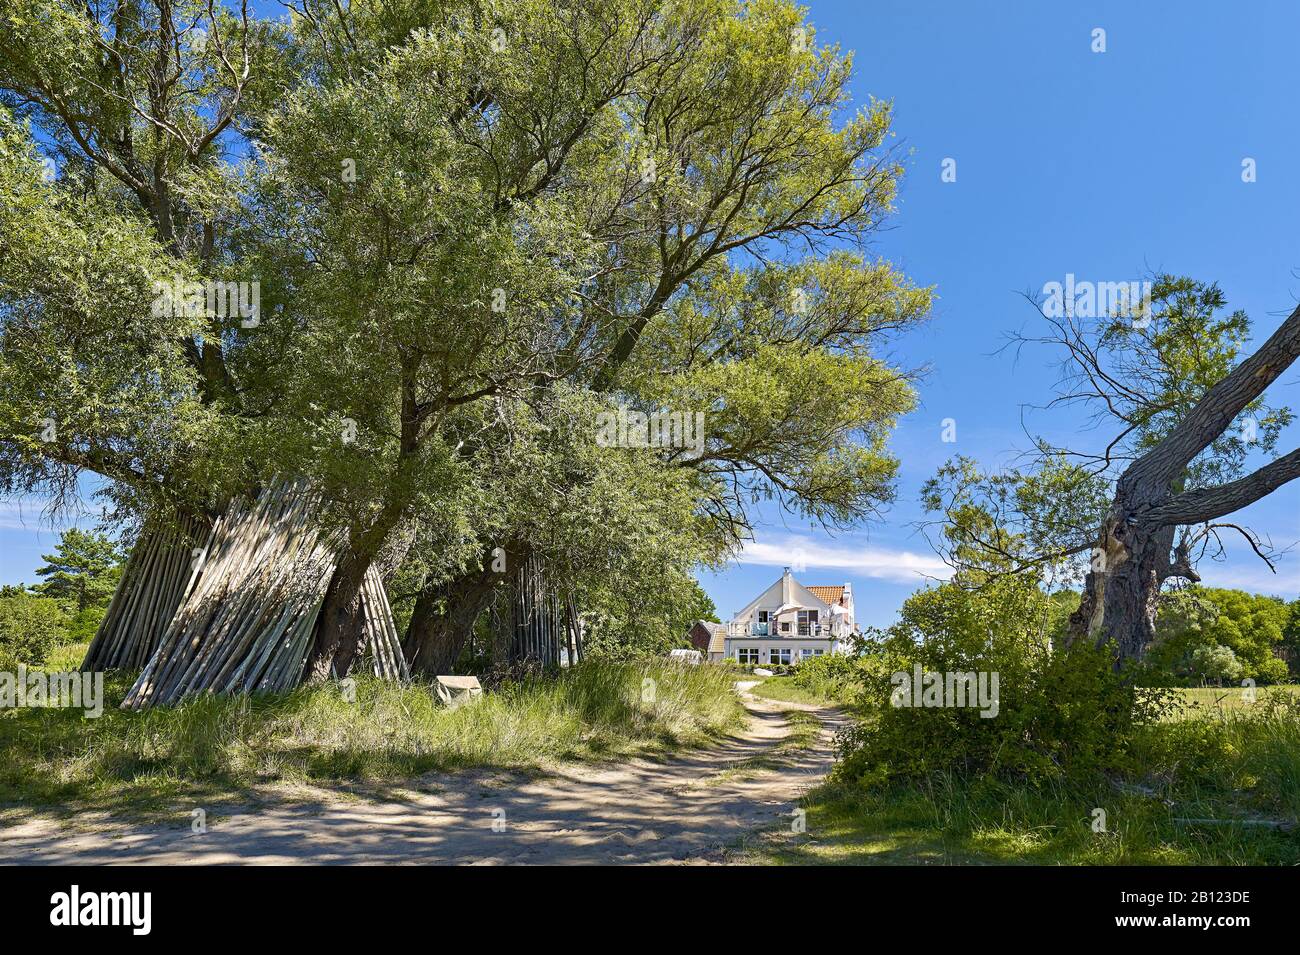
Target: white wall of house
<point x="743" y="650"/>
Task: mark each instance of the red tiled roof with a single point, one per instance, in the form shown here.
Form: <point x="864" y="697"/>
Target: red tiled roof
<point x="830" y="595"/>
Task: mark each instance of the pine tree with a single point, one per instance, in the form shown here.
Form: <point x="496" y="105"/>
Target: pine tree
<point x="81" y="572"/>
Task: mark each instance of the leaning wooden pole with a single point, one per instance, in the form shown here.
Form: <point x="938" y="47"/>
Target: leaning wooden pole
<point x="249" y="611"/>
<point x="152" y="586"/>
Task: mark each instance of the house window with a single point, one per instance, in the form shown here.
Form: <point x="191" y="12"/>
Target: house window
<point x="779" y="655"/>
<point x="746" y="654"/>
<point x="807" y="652"/>
<point x="807" y="620"/>
<point x="785" y="626"/>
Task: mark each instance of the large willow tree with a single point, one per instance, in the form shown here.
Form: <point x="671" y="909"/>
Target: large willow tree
<point x="476" y="227"/>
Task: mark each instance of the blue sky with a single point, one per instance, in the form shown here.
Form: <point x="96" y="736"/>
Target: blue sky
<point x="1106" y="165"/>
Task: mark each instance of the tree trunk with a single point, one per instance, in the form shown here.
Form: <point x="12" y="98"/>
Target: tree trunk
<point x="339" y="627"/>
<point x="1120" y="593"/>
<point x="443" y="620"/>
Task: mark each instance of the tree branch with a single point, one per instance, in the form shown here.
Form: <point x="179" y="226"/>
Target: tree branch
<point x="1206" y="504"/>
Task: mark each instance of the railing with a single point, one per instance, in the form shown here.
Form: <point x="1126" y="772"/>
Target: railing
<point x="804" y="630"/>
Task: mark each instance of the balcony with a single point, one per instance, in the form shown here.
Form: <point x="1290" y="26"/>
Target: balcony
<point x="804" y="630"/>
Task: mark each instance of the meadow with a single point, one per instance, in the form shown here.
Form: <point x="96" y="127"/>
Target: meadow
<point x="226" y="748"/>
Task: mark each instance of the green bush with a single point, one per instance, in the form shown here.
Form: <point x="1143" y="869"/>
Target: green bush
<point x="81" y="626"/>
<point x="1208" y="635"/>
<point x="30" y="627"/>
<point x="1055" y="713"/>
<point x="833" y="676"/>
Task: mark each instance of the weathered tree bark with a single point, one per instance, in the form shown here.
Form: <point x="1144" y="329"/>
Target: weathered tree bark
<point x="1134" y="552"/>
<point x="443" y="620"/>
<point x="1130" y="562"/>
<point x="339" y="629"/>
<point x="339" y="626"/>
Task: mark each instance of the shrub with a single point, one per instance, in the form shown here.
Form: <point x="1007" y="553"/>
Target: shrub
<point x="1211" y="635"/>
<point x="29" y="629"/>
<point x="1216" y="662"/>
<point x="1052" y="714"/>
<point x="833" y="676"/>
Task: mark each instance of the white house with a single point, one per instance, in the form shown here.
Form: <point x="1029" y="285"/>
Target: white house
<point x="790" y="622"/>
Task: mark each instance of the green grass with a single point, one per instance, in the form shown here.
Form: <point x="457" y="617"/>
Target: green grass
<point x="66" y="657"/>
<point x="783" y="690"/>
<point x="954" y="822"/>
<point x="1199" y="701"/>
<point x="1216" y="786"/>
<point x="227" y="747"/>
<point x="786" y="689"/>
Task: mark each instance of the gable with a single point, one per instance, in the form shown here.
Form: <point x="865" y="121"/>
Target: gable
<point x="774" y="596"/>
<point x="769" y="597"/>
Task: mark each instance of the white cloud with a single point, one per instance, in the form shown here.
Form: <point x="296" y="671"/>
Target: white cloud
<point x="1257" y="577"/>
<point x="30" y="514"/>
<point x="901" y="566"/>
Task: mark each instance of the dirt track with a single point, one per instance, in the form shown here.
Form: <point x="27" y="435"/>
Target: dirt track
<point x="688" y="809"/>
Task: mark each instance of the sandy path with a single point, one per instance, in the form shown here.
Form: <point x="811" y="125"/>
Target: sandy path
<point x="687" y="809"/>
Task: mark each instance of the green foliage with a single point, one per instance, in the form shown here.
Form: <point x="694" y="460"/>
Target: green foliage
<point x="1015" y="521"/>
<point x="1139" y="378"/>
<point x="644" y="618"/>
<point x="1215" y="662"/>
<point x="1188" y="345"/>
<point x="30" y="627"/>
<point x="82" y="572"/>
<point x="525" y="214"/>
<point x="1290" y="643"/>
<point x="1059" y="712"/>
<point x="1206" y="634"/>
<point x="831" y="676"/>
<point x="82" y="625"/>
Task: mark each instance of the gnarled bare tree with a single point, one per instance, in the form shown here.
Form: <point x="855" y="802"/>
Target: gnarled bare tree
<point x="1188" y="412"/>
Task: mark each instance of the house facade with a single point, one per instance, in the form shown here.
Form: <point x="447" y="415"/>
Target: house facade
<point x="789" y="622"/>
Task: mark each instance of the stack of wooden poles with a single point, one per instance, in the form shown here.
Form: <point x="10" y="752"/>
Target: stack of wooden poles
<point x="152" y="585"/>
<point x="248" y="616"/>
<point x="541" y="621"/>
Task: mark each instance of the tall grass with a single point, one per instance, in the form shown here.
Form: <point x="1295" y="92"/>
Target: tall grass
<point x="390" y="732"/>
